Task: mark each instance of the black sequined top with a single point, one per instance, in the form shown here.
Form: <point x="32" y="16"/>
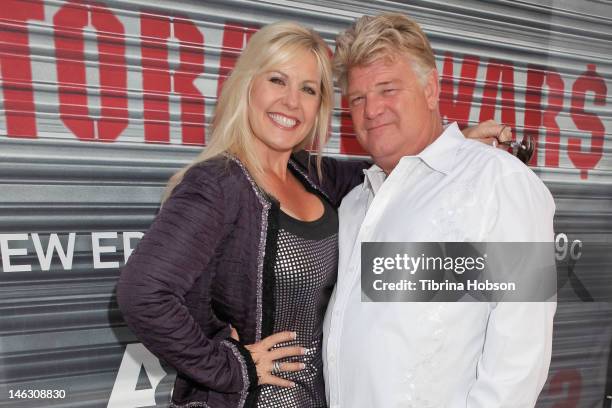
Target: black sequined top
<point x="305" y="274"/>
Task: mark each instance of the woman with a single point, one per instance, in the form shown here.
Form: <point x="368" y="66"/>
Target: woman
<point x="231" y="282"/>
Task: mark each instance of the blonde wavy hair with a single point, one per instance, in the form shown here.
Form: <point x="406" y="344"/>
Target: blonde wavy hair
<point x="382" y="36"/>
<point x="268" y="48"/>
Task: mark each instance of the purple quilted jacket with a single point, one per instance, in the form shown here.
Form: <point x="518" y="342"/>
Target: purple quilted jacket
<point x="207" y="262"/>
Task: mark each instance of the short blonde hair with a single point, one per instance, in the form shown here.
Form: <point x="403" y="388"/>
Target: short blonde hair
<point x="383" y="36"/>
<point x="268" y="48"/>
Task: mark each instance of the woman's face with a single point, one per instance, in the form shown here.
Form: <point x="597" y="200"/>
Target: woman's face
<point x="285" y="101"/>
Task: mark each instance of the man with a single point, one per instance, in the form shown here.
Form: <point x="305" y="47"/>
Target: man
<point x="428" y="184"/>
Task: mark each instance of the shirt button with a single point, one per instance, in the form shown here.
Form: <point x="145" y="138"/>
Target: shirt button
<point x="332" y="358"/>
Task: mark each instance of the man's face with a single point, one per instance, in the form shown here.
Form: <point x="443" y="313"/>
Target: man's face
<point x="394" y="114"/>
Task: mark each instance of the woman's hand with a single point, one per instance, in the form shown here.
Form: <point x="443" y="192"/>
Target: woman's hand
<point x="489" y="132"/>
<point x="265" y="358"/>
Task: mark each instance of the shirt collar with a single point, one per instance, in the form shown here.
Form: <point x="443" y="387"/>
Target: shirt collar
<point x="440" y="155"/>
<point x="374" y="178"/>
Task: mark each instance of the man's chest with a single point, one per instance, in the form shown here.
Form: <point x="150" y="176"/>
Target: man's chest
<point x="434" y="209"/>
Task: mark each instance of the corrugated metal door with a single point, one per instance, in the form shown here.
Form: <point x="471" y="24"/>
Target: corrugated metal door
<point x="103" y="100"/>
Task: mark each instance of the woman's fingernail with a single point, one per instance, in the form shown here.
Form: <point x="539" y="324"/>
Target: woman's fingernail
<point x="302" y="366"/>
<point x="294" y="334"/>
<point x="292" y="385"/>
<point x="309" y="351"/>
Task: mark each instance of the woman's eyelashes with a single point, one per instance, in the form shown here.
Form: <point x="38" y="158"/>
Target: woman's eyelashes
<point x="277" y="80"/>
<point x="282" y="82"/>
<point x="309" y="90"/>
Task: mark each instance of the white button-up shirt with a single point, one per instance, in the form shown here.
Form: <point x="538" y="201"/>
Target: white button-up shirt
<point x="442" y="355"/>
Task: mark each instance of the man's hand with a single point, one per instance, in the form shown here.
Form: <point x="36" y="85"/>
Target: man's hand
<point x="489" y="132"/>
